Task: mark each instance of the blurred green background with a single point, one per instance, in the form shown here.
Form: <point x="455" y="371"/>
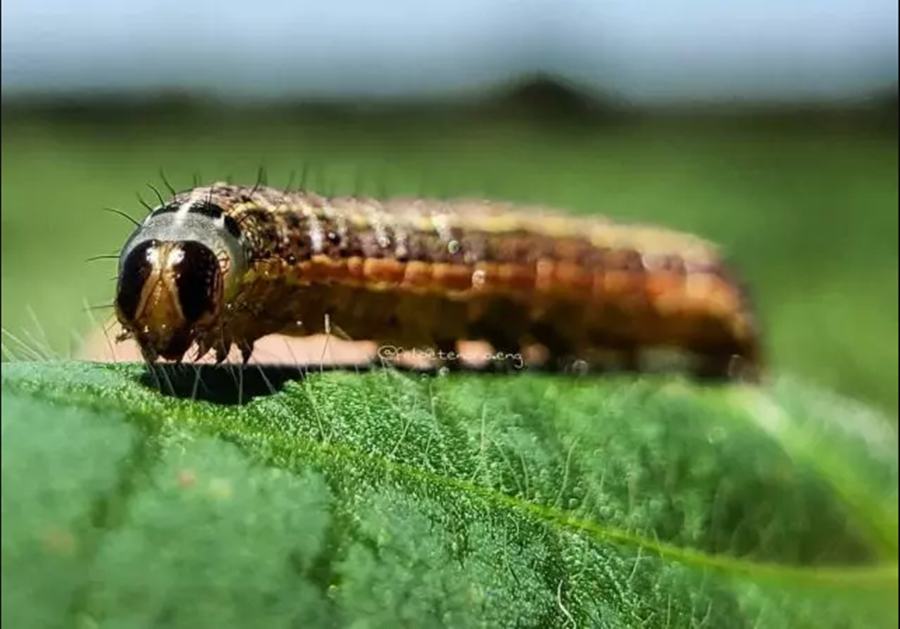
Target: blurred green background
<point x="804" y="201"/>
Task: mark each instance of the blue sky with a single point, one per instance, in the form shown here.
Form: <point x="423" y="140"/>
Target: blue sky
<point x="648" y="51"/>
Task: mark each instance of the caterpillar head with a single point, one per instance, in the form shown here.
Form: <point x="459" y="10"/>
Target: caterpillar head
<point x="168" y="292"/>
<point x="174" y="273"/>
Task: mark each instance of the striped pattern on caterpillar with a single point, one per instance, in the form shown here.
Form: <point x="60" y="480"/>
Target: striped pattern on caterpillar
<point x="224" y="264"/>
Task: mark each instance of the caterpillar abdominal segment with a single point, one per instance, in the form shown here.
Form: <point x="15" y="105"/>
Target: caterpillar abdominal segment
<point x="225" y="265"/>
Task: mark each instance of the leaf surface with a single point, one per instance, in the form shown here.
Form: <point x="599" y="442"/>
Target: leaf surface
<point x="388" y="499"/>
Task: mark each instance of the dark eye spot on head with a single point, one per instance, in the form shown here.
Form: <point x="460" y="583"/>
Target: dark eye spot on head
<point x="215" y="212"/>
<point x="197" y="276"/>
<point x="166" y="209"/>
<point x="135" y="271"/>
<point x="232" y="227"/>
<point x="207" y="209"/>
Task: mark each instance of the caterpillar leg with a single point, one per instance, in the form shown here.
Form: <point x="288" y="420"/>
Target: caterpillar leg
<point x="502" y="326"/>
<point x="449" y="357"/>
<point x="562" y="353"/>
<point x="726" y="367"/>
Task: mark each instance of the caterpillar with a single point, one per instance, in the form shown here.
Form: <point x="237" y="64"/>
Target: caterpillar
<point x="222" y="265"/>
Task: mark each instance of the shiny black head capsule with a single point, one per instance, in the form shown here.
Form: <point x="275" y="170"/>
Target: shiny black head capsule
<point x="166" y="292"/>
<point x="198" y="279"/>
<point x="136" y="269"/>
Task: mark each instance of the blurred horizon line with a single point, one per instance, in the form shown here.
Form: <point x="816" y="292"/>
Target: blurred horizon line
<point x="540" y="93"/>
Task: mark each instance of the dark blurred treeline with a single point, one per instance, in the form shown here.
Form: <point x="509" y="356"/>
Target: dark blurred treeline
<point x="539" y="100"/>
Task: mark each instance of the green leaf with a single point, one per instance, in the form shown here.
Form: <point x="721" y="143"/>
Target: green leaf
<point x="385" y="499"/>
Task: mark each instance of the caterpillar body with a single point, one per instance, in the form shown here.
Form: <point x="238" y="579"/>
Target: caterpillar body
<point x="224" y="265"/>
